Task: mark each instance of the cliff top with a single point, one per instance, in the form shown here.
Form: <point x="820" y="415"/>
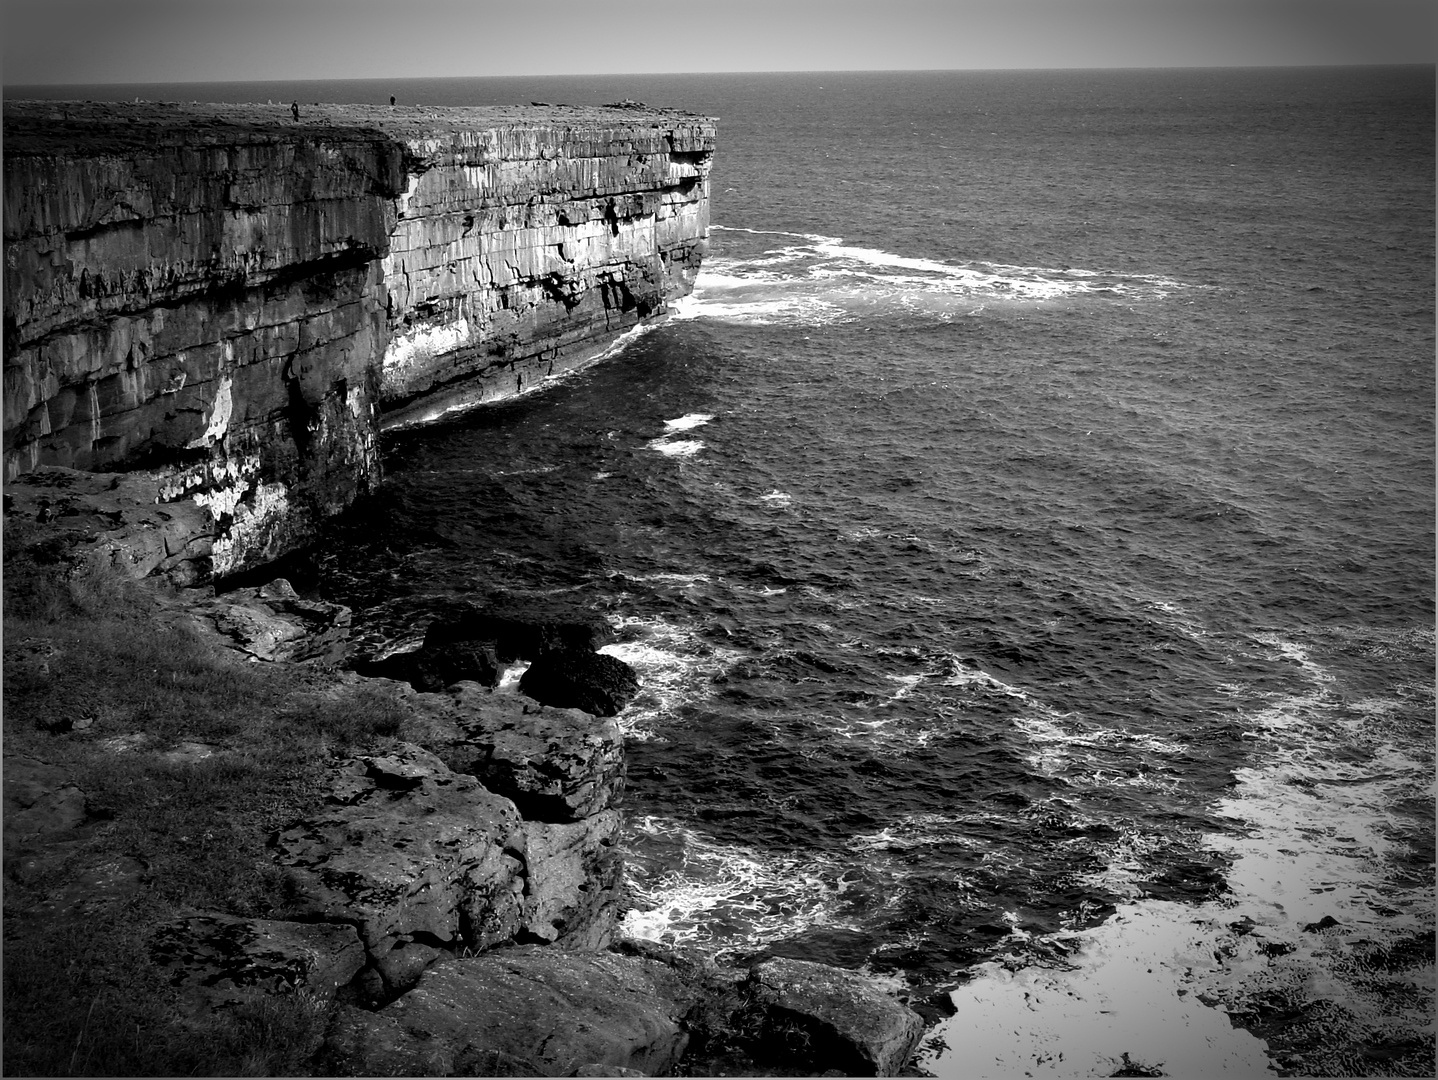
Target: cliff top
<point x="51" y="127"/>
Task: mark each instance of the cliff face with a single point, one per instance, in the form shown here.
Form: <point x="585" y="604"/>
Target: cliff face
<point x="229" y="298"/>
<point x="519" y="250"/>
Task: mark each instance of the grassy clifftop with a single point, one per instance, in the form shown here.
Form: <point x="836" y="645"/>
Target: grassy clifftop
<point x="186" y="758"/>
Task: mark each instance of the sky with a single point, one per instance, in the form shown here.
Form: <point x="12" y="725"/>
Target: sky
<point x="150" y="41"/>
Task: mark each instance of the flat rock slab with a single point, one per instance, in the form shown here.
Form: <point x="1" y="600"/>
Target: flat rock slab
<point x="219" y="960"/>
<point x="114" y="519"/>
<point x="842" y="1020"/>
<point x="557" y="765"/>
<point x="40" y="801"/>
<point x="528" y="1011"/>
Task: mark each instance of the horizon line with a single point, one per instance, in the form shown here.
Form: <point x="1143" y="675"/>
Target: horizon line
<point x="1280" y="65"/>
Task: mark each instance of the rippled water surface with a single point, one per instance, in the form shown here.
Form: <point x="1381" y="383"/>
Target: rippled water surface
<point x="1025" y="538"/>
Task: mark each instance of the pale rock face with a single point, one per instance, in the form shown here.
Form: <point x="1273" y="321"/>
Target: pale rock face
<point x="228" y="299"/>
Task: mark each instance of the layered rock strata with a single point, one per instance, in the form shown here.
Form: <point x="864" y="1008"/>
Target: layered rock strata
<point x="230" y="298"/>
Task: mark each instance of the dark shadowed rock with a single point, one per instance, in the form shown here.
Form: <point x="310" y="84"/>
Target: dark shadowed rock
<point x="575" y="679"/>
<point x="520" y="633"/>
<point x="556" y="765"/>
<point x="528" y="1011"/>
<point x="431" y="668"/>
<point x="835" y="1019"/>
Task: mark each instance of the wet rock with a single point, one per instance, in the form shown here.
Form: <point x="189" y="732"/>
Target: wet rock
<point x="834" y="1019"/>
<point x="556" y="765"/>
<point x="575" y="679"/>
<point x="530" y="1011"/>
<point x="407" y="850"/>
<point x="219" y="960"/>
<point x="1325" y="923"/>
<point x="519" y="633"/>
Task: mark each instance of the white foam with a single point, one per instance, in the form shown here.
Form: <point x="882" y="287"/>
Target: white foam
<point x="687" y="422"/>
<point x="822" y="280"/>
<point x="727" y="897"/>
<point x="509" y="678"/>
<point x="676" y="447"/>
<point x="676" y="667"/>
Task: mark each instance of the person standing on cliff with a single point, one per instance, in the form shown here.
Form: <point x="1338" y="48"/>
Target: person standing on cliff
<point x="295" y="109"/>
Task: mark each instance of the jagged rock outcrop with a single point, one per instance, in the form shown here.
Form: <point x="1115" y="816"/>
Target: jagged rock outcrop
<point x="410" y="853"/>
<point x="557" y="765"/>
<point x="273" y="622"/>
<point x="226" y="297"/>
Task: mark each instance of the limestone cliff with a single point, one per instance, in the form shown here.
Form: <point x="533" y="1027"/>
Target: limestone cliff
<point x="229" y="298"/>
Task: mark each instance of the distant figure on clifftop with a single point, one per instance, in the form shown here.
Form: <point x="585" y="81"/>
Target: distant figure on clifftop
<point x="295" y="109"/>
<point x="391" y="100"/>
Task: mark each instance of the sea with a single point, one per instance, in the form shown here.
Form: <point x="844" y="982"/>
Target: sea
<point x="1024" y="536"/>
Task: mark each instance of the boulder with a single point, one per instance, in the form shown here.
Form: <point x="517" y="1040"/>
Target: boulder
<point x="577" y="679"/>
<point x="409" y="852"/>
<point x="519" y="633"/>
<point x="830" y="1018"/>
<point x="557" y="765"/>
<point x="529" y="1011"/>
<point x="219" y="960"/>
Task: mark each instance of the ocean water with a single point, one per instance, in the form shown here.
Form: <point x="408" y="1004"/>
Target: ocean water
<point x="1024" y="536"/>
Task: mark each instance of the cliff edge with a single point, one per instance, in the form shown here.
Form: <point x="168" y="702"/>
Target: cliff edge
<point x="233" y="301"/>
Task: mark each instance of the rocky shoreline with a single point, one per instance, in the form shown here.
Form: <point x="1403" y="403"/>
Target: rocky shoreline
<point x="450" y="899"/>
